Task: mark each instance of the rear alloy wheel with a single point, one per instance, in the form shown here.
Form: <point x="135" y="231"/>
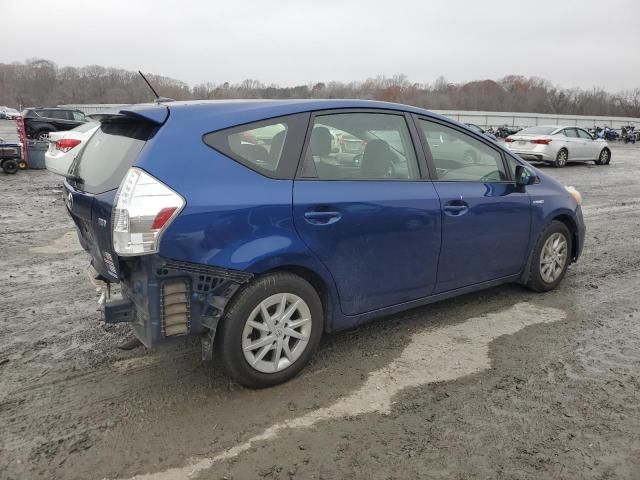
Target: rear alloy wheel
<point x="270" y="330"/>
<point x="22" y="165"/>
<point x="604" y="158"/>
<point x="42" y="135"/>
<point x="551" y="258"/>
<point x="561" y="158"/>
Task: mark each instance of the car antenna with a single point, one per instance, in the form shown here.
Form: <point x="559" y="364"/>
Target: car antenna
<point x="158" y="98"/>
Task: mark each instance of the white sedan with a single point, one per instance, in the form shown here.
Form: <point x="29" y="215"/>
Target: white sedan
<point x="64" y="146"/>
<point x="558" y="145"/>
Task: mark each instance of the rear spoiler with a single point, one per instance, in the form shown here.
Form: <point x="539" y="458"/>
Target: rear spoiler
<point x="150" y="112"/>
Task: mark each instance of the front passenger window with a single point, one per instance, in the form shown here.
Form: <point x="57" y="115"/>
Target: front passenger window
<point x="459" y="157"/>
<point x="584" y="135"/>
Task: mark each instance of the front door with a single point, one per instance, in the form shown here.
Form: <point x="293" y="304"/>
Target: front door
<point x="365" y="212"/>
<point x="485" y="217"/>
<point x="589" y="147"/>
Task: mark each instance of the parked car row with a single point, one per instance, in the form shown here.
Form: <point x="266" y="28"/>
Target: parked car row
<point x="235" y="223"/>
<point x="40" y="122"/>
<point x="65" y="145"/>
<point x="7" y="113"/>
<point x="558" y="145"/>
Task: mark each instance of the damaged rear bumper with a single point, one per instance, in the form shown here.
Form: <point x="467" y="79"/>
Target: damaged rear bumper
<point x="163" y="299"/>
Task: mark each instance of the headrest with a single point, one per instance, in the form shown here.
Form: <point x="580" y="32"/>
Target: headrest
<point x="320" y="141"/>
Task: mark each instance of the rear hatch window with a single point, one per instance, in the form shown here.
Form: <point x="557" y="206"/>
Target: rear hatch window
<point x="92" y="183"/>
<point x="104" y="161"/>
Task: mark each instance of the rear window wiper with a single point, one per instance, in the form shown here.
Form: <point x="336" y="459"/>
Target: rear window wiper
<point x="74" y="177"/>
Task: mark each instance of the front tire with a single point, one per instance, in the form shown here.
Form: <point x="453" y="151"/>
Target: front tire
<point x="604" y="158"/>
<point x="561" y="158"/>
<point x="551" y="258"/>
<point x="270" y="330"/>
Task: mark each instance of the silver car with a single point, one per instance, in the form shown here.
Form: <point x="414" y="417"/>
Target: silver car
<point x="558" y="145"/>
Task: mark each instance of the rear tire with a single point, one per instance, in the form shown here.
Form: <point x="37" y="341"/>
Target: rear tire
<point x="551" y="258"/>
<point x="250" y="320"/>
<point x="42" y="135"/>
<point x="561" y="158"/>
<point x="10" y="166"/>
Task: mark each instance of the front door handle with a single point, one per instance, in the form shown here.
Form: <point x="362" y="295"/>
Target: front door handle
<point x="316" y="217"/>
<point x="456" y="208"/>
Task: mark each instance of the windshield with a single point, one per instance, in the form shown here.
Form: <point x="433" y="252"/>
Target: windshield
<point x="537" y="131"/>
<point x="104" y="161"/>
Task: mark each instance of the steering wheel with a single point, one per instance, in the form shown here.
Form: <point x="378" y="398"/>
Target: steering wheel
<point x="469" y="157"/>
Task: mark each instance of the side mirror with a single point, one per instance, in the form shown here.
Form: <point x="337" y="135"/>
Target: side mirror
<point x="525" y="177"/>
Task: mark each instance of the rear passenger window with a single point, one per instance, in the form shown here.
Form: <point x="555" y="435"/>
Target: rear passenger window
<point x="360" y="146"/>
<point x="459" y="157"/>
<point x="570" y="132"/>
<point x="270" y="147"/>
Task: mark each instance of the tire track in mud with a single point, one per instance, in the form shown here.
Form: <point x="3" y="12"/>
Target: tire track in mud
<point x="427" y="359"/>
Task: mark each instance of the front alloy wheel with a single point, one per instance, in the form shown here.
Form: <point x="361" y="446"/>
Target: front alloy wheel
<point x="554" y="257"/>
<point x="604" y="158"/>
<point x="550" y="258"/>
<point x="276" y="333"/>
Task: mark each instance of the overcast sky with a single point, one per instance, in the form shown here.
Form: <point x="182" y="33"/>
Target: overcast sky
<point x="569" y="42"/>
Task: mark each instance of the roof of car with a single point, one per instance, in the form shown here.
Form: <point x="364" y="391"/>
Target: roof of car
<point x="557" y="127"/>
<point x="297" y="105"/>
<point x="222" y="113"/>
<point x="53" y="108"/>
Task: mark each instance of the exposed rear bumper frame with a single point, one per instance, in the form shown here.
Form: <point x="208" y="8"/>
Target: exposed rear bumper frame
<point x="209" y="291"/>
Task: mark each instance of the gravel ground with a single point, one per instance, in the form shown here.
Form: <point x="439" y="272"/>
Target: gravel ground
<point x="503" y="383"/>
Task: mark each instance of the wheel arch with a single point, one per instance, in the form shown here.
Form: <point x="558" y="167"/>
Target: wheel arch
<point x="565" y="218"/>
<point x="570" y="223"/>
<point x="317" y="282"/>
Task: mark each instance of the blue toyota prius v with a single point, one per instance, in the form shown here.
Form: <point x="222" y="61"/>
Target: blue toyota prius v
<point x="260" y="225"/>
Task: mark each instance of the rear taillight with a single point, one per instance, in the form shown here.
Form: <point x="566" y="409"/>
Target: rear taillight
<point x="541" y="141"/>
<point x="67" y="144"/>
<point x="144" y="208"/>
<point x="508" y="140"/>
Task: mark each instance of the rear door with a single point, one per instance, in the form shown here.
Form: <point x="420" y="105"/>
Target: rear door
<point x="374" y="223"/>
<point x="94" y="179"/>
<point x="485" y="216"/>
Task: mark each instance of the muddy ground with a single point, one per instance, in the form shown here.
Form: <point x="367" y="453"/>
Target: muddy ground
<point x="499" y="384"/>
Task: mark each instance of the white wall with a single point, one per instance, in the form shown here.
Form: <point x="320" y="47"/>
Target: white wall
<point x="496" y="119"/>
<point x="484" y="119"/>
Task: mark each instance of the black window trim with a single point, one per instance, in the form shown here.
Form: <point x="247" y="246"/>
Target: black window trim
<point x="487" y="142"/>
<point x="414" y="143"/>
<point x="291" y="149"/>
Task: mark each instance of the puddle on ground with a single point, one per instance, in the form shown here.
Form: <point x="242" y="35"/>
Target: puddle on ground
<point x="67" y="243"/>
<point x="427" y="359"/>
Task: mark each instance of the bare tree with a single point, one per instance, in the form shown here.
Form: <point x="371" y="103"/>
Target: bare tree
<point x="39" y="82"/>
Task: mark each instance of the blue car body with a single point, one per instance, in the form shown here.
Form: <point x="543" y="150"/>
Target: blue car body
<point x="383" y="247"/>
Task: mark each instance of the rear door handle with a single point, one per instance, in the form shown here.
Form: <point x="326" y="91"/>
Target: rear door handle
<point x="316" y="217"/>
